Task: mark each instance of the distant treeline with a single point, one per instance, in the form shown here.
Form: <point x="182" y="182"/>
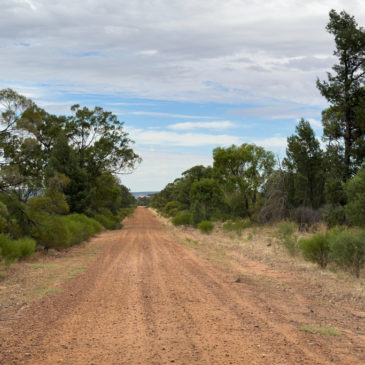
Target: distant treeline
<point x="58" y="183"/>
<point x="311" y="183"/>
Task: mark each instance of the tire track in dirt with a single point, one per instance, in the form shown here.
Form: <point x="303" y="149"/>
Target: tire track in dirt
<point x="147" y="300"/>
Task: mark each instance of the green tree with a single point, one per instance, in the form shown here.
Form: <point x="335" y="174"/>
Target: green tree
<point x="242" y="171"/>
<point x="355" y="190"/>
<point x="304" y="163"/>
<point x="12" y="106"/>
<point x="51" y="165"/>
<point x="100" y="141"/>
<point x="344" y="120"/>
<point x="206" y="198"/>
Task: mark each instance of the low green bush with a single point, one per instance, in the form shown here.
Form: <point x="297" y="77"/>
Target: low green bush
<point x="286" y="236"/>
<point x="348" y="249"/>
<point x="126" y="212"/>
<point x="109" y="222"/>
<point x="78" y="231"/>
<point x="52" y="232"/>
<point x="91" y="224"/>
<point x="335" y="216"/>
<point x="11" y="250"/>
<point x="183" y="218"/>
<point x="206" y="227"/>
<point x="172" y="208"/>
<point x="316" y="249"/>
<point x="81" y="227"/>
<point x="237" y="225"/>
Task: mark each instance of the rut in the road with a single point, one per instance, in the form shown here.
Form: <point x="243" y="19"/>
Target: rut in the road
<point x="148" y="300"/>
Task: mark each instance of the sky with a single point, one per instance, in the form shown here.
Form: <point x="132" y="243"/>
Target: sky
<point x="185" y="76"/>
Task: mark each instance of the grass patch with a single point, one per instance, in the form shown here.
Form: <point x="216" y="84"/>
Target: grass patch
<point x="190" y="243"/>
<point x="92" y="255"/>
<point x="41" y="266"/>
<point x="43" y="292"/>
<point x="323" y="330"/>
<point x="215" y="255"/>
<point x="75" y="271"/>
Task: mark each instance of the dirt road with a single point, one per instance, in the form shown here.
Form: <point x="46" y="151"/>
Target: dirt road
<point x="148" y="300"/>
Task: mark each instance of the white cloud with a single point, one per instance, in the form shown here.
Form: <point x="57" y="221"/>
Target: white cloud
<point x="167" y="138"/>
<point x="198" y="47"/>
<point x="316" y="124"/>
<point x="159" y="168"/>
<point x="167" y="115"/>
<point x="274" y="143"/>
<point x="148" y="52"/>
<point x="279" y="111"/>
<point x="31" y="4"/>
<point x="201" y="125"/>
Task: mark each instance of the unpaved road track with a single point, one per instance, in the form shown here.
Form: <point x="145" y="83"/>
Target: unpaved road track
<point x="148" y="300"/>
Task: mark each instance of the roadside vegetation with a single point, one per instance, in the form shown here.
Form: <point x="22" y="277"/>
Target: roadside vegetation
<point x="58" y="184"/>
<point x="311" y="187"/>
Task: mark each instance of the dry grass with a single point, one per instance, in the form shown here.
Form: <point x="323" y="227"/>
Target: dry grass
<point x="321" y="330"/>
<point x="24" y="282"/>
<point x="257" y="253"/>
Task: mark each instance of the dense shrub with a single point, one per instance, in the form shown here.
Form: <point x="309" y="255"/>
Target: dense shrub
<point x="11" y="250"/>
<point x="52" y="232"/>
<point x="237" y="225"/>
<point x="286" y="236"/>
<point x="306" y="217"/>
<point x="206" y="227"/>
<point x="183" y="218"/>
<point x="198" y="213"/>
<point x="348" y="249"/>
<point x="80" y="227"/>
<point x="109" y="222"/>
<point x="125" y="212"/>
<point x="91" y="224"/>
<point x="316" y="248"/>
<point x="3" y="216"/>
<point x="335" y="216"/>
<point x="355" y="191"/>
<point x="172" y="208"/>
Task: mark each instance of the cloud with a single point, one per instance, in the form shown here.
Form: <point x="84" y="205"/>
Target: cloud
<point x="316" y="124"/>
<point x="201" y="125"/>
<point x="279" y="111"/>
<point x="159" y="168"/>
<point x="167" y="115"/>
<point x="167" y="138"/>
<point x="202" y="51"/>
<point x="148" y="52"/>
<point x="271" y="142"/>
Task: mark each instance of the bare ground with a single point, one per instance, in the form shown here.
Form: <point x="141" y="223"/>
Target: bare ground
<point x="147" y="299"/>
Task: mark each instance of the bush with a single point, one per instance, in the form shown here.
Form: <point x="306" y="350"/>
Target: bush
<point x="335" y="216"/>
<point x="355" y="191"/>
<point x="348" y="249"/>
<point x="3" y="216"/>
<point x="93" y="226"/>
<point x="286" y="236"/>
<point x="198" y="213"/>
<point x="21" y="248"/>
<point x="81" y="227"/>
<point x="237" y="225"/>
<point x="316" y="249"/>
<point x="172" y="208"/>
<point x="306" y="217"/>
<point x="206" y="227"/>
<point x="183" y="218"/>
<point x="52" y="232"/>
<point x="125" y="212"/>
<point x="109" y="222"/>
<point x="78" y="231"/>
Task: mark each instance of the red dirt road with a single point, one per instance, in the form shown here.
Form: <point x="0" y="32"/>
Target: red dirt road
<point x="148" y="300"/>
